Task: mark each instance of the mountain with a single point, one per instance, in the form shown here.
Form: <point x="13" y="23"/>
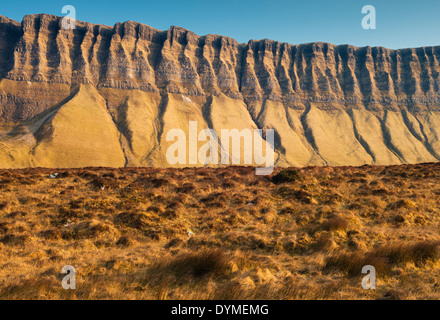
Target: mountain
<point x="107" y="96"/>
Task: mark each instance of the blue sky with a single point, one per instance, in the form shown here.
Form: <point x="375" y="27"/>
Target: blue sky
<point x="400" y="24"/>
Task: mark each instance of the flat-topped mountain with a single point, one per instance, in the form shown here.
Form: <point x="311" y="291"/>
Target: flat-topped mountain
<point x="106" y="96"/>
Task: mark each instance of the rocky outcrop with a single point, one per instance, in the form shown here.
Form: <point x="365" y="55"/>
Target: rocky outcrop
<point x="131" y="55"/>
<point x="328" y="104"/>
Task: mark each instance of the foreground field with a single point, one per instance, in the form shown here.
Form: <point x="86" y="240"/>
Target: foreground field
<point x="143" y="233"/>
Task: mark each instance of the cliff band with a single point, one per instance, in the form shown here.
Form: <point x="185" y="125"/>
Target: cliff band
<point x="107" y="96"/>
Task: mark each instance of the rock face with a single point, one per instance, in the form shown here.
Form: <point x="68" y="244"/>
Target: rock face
<point x="329" y="105"/>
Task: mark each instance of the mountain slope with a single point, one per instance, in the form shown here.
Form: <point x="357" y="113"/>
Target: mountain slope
<point x="77" y="133"/>
<point x="109" y="96"/>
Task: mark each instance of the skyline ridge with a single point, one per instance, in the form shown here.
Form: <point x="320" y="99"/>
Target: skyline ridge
<point x="220" y="35"/>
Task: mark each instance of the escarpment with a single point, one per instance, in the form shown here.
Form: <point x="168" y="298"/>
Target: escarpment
<point x="328" y="104"/>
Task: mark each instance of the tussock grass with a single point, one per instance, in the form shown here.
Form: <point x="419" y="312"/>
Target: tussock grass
<point x="385" y="257"/>
<point x="334" y="223"/>
<point x="207" y="262"/>
<point x="286" y="176"/>
<point x="149" y="233"/>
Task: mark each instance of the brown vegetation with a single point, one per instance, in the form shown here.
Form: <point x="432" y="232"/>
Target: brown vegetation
<point x="144" y="233"/>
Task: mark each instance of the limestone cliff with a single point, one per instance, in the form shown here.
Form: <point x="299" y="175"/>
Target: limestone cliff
<point x="335" y="105"/>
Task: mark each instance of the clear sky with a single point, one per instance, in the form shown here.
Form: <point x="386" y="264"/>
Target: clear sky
<point x="399" y="24"/>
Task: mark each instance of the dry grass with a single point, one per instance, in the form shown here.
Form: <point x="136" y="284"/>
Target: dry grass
<point x="146" y="233"/>
<point x="208" y="262"/>
<point x="334" y="223"/>
<point x="385" y="257"/>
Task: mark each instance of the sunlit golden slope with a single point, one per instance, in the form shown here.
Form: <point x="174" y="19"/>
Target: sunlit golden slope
<point x="137" y="121"/>
<point x="82" y="130"/>
<point x="77" y="133"/>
